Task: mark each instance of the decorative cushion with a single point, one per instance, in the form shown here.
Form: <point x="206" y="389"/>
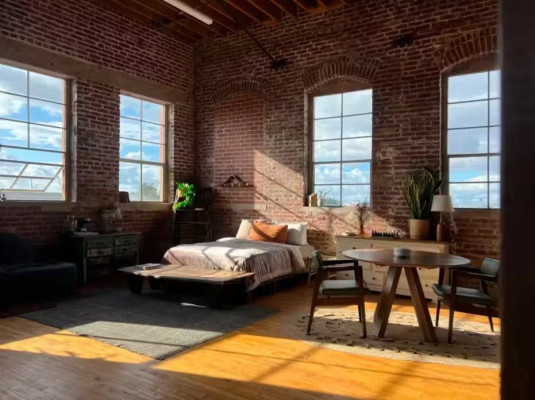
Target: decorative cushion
<point x="263" y="232"/>
<point x="338" y="287"/>
<point x="244" y="229"/>
<point x="297" y="232"/>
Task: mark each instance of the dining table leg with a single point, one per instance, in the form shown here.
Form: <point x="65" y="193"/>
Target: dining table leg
<point x="384" y="305"/>
<point x="420" y="304"/>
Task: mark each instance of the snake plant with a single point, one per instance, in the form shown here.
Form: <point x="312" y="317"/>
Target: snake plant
<point x="419" y="189"/>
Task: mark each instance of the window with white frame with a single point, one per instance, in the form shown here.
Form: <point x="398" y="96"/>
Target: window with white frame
<point x="473" y="139"/>
<point x="342" y="147"/>
<point x="142" y="149"/>
<point x="32" y="135"/>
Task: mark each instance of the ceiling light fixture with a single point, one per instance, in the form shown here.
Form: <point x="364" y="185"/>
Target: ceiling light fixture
<point x="190" y="11"/>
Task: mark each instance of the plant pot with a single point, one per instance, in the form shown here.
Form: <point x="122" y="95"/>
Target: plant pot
<point x="419" y="229"/>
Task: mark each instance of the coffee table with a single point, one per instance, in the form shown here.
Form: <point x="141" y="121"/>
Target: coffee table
<point x="422" y="259"/>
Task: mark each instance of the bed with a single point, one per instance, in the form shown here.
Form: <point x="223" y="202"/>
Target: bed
<point x="269" y="261"/>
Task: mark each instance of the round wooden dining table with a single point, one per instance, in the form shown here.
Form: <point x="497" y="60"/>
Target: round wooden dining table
<point x="417" y="259"/>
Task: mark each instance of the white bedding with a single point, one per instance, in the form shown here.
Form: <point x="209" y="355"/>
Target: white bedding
<point x="266" y="259"/>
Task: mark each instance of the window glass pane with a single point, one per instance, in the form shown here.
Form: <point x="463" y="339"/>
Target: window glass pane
<point x="13" y="133"/>
<point x="468" y="115"/>
<point x="130" y="149"/>
<point x="13" y="80"/>
<point x="46" y="137"/>
<point x="327" y="173"/>
<point x="495" y="139"/>
<point x="152" y="152"/>
<point x="153" y="112"/>
<point x="151" y="188"/>
<point x="359" y="125"/>
<point x="494" y="195"/>
<point x="47" y="157"/>
<point x="44" y="112"/>
<point x="356" y="172"/>
<point x="353" y="194"/>
<point x="327" y="151"/>
<point x="495" y="84"/>
<point x="328" y="106"/>
<point x="10" y="168"/>
<point x="494" y="108"/>
<point x="41" y="171"/>
<point x="130" y="107"/>
<point x="130" y="128"/>
<point x="494" y="168"/>
<point x="56" y="186"/>
<point x="357" y="149"/>
<point x="152" y="132"/>
<point x="332" y="194"/>
<point x="13" y="107"/>
<point x="467" y="141"/>
<point x="5" y="183"/>
<point x="358" y="102"/>
<point x="468" y="87"/>
<point x="327" y="129"/>
<point x="31" y="184"/>
<point x="468" y="169"/>
<point x="46" y="87"/>
<point x="130" y="179"/>
<point x="469" y="195"/>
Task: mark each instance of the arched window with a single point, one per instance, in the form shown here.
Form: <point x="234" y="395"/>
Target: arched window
<point x="472" y="135"/>
<point x="341" y="143"/>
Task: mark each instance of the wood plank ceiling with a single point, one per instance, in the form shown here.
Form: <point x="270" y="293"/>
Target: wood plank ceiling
<point x="228" y="15"/>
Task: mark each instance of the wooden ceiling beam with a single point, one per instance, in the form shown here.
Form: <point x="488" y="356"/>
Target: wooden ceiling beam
<point x="267" y="8"/>
<point x="301" y="5"/>
<point x="246" y="9"/>
<point x="218" y="18"/>
<point x="286" y="6"/>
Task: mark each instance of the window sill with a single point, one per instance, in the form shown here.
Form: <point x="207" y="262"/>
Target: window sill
<point x="51" y="206"/>
<point x="145" y="206"/>
<point x="332" y="210"/>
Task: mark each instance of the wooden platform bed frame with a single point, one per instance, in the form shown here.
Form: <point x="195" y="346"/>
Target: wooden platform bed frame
<point x="218" y="286"/>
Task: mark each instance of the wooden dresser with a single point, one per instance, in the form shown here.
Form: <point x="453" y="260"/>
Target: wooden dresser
<point x="374" y="275"/>
<point x="114" y="249"/>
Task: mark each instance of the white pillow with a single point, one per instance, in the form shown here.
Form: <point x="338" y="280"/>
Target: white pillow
<point x="244" y="229"/>
<point x="297" y="232"/>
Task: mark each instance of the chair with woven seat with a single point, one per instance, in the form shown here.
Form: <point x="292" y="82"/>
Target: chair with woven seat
<point x="337" y="292"/>
<point x="469" y="300"/>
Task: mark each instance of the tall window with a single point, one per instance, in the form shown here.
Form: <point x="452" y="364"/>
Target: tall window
<point x="32" y="135"/>
<point x="342" y="147"/>
<point x="473" y="139"/>
<point x="142" y="149"/>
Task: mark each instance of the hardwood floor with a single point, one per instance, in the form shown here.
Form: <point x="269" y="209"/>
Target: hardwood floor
<point x="257" y="362"/>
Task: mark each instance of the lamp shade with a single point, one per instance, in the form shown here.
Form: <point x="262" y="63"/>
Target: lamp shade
<point x="442" y="203"/>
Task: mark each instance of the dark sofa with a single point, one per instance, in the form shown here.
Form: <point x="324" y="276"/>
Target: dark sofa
<point x="29" y="269"/>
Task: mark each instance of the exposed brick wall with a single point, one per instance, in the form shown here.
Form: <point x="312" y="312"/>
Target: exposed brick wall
<point x="82" y="29"/>
<point x="356" y="43"/>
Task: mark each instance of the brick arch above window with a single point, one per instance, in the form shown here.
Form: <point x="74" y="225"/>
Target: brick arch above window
<point x="239" y="85"/>
<point x="361" y="70"/>
<point x="465" y="48"/>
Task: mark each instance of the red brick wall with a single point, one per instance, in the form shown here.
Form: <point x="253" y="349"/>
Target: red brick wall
<point x="81" y="29"/>
<point x="355" y="43"/>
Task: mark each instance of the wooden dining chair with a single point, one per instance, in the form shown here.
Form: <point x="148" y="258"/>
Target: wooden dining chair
<point x="469" y="300"/>
<point x="339" y="292"/>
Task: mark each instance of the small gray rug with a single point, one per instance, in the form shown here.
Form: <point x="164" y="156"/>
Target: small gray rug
<point x="146" y="324"/>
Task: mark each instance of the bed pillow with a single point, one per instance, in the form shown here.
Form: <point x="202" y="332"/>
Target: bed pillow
<point x="263" y="232"/>
<point x="297" y="232"/>
<point x="244" y="229"/>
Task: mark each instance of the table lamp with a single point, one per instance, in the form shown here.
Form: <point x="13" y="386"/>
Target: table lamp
<point x="441" y="203"/>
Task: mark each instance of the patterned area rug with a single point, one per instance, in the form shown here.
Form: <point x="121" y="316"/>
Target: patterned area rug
<point x="338" y="329"/>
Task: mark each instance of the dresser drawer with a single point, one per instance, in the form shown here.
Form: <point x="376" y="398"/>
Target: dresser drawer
<point x="105" y="251"/>
<point x="126" y="240"/>
<point x="123" y="251"/>
<point x="99" y="243"/>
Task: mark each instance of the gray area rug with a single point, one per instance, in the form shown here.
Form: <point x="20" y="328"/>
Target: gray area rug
<point x="146" y="324"/>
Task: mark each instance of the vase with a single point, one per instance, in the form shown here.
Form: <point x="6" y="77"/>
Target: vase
<point x="419" y="229"/>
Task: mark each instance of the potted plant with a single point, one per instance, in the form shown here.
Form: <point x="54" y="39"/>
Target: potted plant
<point x="363" y="214"/>
<point x="420" y="187"/>
<point x="185" y="195"/>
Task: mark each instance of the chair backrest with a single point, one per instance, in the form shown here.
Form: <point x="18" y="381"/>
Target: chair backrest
<point x="317" y="261"/>
<point x="490" y="266"/>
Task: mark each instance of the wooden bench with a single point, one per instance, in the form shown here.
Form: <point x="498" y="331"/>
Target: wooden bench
<point x="217" y="280"/>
